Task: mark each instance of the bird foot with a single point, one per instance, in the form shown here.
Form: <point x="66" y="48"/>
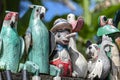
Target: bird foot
<point x="57" y="78"/>
<point x="2" y="65"/>
<point x="36" y="78"/>
<point x="74" y="74"/>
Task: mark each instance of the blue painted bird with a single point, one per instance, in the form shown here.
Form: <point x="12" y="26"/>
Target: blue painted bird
<point x="11" y="45"/>
<point x="37" y="43"/>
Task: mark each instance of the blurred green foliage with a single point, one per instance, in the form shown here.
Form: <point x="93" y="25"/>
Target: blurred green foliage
<point x="88" y="31"/>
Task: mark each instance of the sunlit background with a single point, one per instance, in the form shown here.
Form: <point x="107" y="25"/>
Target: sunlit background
<point x="90" y="10"/>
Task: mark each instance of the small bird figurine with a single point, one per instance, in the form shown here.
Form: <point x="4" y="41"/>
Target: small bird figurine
<point x="61" y="57"/>
<point x="11" y="45"/>
<point x="101" y="65"/>
<point x="106" y="26"/>
<point x="37" y="43"/>
<point x="113" y="55"/>
<point x="76" y="24"/>
<point x="92" y="53"/>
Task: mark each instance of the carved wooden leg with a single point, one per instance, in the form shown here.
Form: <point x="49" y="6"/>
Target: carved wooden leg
<point x="25" y="75"/>
<point x="8" y="75"/>
<point x="1" y="76"/>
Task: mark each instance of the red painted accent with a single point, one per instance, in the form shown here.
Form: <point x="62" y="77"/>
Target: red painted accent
<point x="77" y="25"/>
<point x="10" y="14"/>
<point x="66" y="67"/>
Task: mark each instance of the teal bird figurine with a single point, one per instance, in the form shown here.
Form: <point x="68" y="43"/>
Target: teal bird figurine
<point x="11" y="45"/>
<point x="37" y="43"/>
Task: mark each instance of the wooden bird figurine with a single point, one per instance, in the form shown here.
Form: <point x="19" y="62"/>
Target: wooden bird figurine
<point x="61" y="57"/>
<point x="11" y="45"/>
<point x="92" y="53"/>
<point x="37" y="43"/>
<point x="76" y="24"/>
<point x="101" y="65"/>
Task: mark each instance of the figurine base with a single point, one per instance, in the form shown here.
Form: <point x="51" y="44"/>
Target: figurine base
<point x="18" y="76"/>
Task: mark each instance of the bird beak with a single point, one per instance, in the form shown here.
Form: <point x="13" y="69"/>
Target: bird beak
<point x="42" y="12"/>
<point x="31" y="6"/>
<point x="71" y="35"/>
<point x="14" y="19"/>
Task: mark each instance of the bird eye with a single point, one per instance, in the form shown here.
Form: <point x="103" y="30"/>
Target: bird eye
<point x="58" y="35"/>
<point x="104" y="18"/>
<point x="37" y="10"/>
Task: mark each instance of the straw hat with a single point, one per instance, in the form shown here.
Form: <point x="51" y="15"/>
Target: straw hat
<point x="61" y="24"/>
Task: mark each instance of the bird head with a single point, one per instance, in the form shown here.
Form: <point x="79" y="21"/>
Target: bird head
<point x="70" y="17"/>
<point x="11" y="18"/>
<point x="107" y="43"/>
<point x="92" y="50"/>
<point x="38" y="11"/>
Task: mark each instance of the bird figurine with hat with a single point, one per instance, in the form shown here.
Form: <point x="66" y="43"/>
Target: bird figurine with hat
<point x="113" y="32"/>
<point x="66" y="56"/>
<point x="60" y="56"/>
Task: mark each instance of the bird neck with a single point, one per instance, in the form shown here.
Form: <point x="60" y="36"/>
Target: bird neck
<point x="6" y="23"/>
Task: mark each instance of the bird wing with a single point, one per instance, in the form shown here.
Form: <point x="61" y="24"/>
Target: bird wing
<point x="97" y="71"/>
<point x="22" y="46"/>
<point x="28" y="40"/>
<point x="1" y="42"/>
<point x="52" y="42"/>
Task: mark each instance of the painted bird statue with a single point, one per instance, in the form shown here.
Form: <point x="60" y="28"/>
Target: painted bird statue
<point x="114" y="57"/>
<point x="11" y="45"/>
<point x="92" y="55"/>
<point x="37" y="44"/>
<point x="60" y="57"/>
<point x="76" y="24"/>
<point x="100" y="65"/>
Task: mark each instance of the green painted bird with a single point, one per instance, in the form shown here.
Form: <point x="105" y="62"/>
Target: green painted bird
<point x="11" y="45"/>
<point x="37" y="43"/>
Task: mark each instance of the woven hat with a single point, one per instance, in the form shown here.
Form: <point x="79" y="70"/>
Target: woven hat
<point x="61" y="24"/>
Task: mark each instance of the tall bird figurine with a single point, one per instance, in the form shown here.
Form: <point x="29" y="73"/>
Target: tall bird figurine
<point x="112" y="32"/>
<point x="76" y="24"/>
<point x="37" y="43"/>
<point x="101" y="65"/>
<point x="60" y="57"/>
<point x="11" y="45"/>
